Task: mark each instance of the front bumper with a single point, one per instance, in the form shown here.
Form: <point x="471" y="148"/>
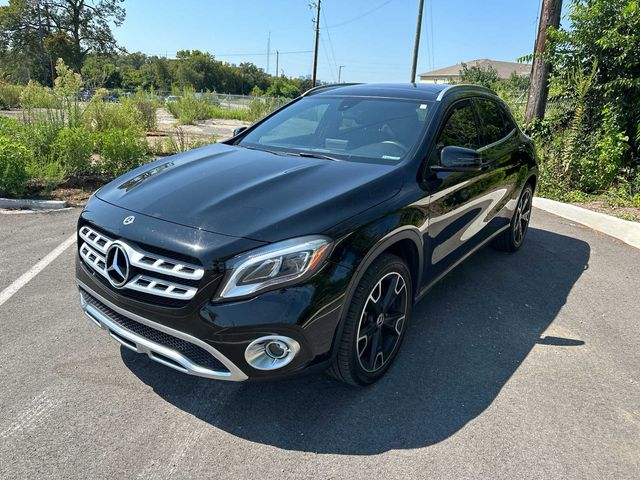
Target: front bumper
<point x="210" y="339"/>
<point x="196" y="335"/>
<point x="161" y="344"/>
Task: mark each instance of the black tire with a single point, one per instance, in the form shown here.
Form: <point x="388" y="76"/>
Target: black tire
<point x="357" y="363"/>
<point x="513" y="237"/>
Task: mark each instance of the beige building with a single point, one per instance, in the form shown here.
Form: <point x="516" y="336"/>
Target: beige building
<point x="504" y="69"/>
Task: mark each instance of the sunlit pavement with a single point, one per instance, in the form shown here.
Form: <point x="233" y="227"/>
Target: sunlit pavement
<point x="515" y="366"/>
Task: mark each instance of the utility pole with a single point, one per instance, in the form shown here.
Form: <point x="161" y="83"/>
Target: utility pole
<point x="416" y="45"/>
<point x="277" y="62"/>
<point x="269" y="52"/>
<point x="539" y="88"/>
<point x="315" y="49"/>
<point x="340" y="72"/>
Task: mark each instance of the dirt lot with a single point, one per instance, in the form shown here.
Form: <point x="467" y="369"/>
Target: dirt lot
<point x="626" y="213"/>
<point x="218" y="128"/>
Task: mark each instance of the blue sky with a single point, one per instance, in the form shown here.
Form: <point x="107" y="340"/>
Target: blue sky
<point x="373" y="39"/>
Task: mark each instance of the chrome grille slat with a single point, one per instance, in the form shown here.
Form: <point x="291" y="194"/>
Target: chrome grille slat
<point x="161" y="287"/>
<point x="94" y="251"/>
<point x="94" y="259"/>
<point x="96" y="240"/>
<point x="161" y="264"/>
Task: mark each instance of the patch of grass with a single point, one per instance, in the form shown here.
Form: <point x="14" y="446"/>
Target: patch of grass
<point x="100" y="116"/>
<point x="189" y="109"/>
<point x="9" y="95"/>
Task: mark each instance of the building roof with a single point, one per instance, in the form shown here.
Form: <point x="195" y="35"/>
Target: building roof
<point x="504" y="69"/>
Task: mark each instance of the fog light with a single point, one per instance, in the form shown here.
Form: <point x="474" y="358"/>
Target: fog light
<point x="271" y="352"/>
<point x="276" y="349"/>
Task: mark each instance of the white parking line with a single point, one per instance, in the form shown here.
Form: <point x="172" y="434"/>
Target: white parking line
<point x="8" y="292"/>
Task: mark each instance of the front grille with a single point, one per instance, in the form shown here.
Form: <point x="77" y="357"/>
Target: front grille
<point x="143" y="297"/>
<point x="152" y="277"/>
<point x="194" y="353"/>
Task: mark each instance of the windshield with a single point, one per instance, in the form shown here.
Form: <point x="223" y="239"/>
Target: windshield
<point x="379" y="130"/>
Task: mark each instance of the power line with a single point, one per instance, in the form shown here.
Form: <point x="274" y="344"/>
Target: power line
<point x="359" y="16"/>
<point x="251" y="54"/>
<point x="333" y="53"/>
<point x="326" y="54"/>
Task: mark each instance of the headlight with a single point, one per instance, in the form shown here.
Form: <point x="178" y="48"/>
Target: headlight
<point x="276" y="264"/>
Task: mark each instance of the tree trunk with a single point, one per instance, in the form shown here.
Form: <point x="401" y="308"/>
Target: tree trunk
<point x="539" y="89"/>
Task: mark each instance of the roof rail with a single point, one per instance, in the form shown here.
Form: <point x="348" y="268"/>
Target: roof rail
<point x="463" y="86"/>
<point x="329" y="86"/>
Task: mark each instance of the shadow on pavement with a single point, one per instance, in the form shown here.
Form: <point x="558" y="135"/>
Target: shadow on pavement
<point x="468" y="337"/>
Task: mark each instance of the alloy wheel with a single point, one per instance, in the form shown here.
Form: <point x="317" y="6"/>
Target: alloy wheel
<point x="382" y="322"/>
<point x="522" y="216"/>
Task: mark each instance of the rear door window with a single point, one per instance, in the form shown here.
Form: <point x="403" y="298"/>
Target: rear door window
<point x="492" y="126"/>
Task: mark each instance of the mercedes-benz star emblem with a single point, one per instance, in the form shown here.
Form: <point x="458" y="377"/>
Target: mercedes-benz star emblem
<point x="117" y="266"/>
<point x="129" y="220"/>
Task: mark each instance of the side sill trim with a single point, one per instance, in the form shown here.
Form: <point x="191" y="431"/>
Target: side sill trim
<point x="153" y="350"/>
<point x="426" y="289"/>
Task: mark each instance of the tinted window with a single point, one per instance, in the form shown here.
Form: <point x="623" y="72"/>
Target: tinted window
<point x="382" y="130"/>
<point x="509" y="124"/>
<point x="460" y="128"/>
<point x="491" y="121"/>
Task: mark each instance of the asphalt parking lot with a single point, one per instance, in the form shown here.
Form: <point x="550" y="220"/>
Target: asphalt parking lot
<point x="515" y="366"/>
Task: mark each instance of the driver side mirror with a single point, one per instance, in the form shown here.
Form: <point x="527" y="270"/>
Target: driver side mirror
<point x="238" y="131"/>
<point x="458" y="159"/>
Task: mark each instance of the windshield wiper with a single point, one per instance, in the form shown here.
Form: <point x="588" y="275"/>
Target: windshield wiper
<point x="290" y="153"/>
<point x="312" y="155"/>
<point x="259" y="149"/>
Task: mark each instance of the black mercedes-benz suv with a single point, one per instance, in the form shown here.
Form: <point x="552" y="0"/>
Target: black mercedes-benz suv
<point x="304" y="240"/>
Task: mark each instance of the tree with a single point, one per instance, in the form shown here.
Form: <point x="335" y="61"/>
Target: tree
<point x="100" y="71"/>
<point x="37" y="32"/>
<point x="281" y="87"/>
<point x="477" y="75"/>
<point x="605" y="33"/>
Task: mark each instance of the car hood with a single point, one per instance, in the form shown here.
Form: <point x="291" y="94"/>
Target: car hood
<point x="251" y="193"/>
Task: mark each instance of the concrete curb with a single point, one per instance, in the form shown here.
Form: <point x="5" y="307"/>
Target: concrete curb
<point x="628" y="232"/>
<point x="11" y="203"/>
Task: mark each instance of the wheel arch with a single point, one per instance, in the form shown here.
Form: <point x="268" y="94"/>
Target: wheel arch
<point x="407" y="243"/>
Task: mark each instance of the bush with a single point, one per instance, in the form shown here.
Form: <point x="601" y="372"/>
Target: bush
<point x="47" y="174"/>
<point x="600" y="164"/>
<point x="14" y="158"/>
<point x="39" y="137"/>
<point x="121" y="151"/>
<point x="9" y="128"/>
<point x="9" y="95"/>
<point x="147" y="111"/>
<point x="35" y="95"/>
<point x="258" y="108"/>
<point x="188" y="109"/>
<point x="72" y="150"/>
<point x="100" y="116"/>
